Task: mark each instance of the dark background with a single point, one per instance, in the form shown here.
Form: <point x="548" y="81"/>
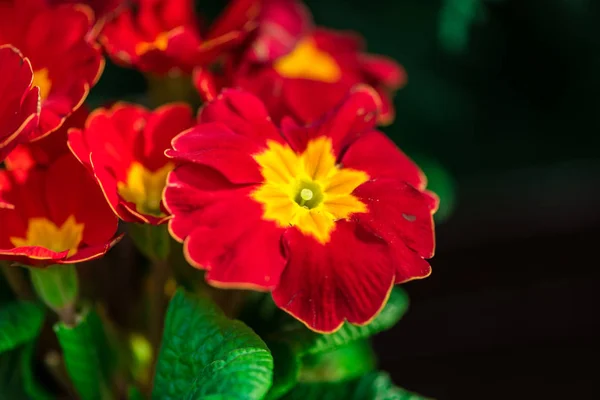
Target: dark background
<point x="502" y="110"/>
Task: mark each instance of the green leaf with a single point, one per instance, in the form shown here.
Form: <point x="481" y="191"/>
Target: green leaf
<point x="343" y="363"/>
<point x="34" y="390"/>
<point x="84" y="356"/>
<point x="373" y="386"/>
<point x="205" y="355"/>
<point x="305" y="341"/>
<point x="11" y="379"/>
<point x="20" y="322"/>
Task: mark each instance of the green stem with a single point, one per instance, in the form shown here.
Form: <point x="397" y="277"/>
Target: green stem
<point x="57" y="286"/>
<point x="158" y="302"/>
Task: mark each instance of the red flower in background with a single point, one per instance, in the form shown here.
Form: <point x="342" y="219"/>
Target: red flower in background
<point x="64" y="63"/>
<point x="19" y="102"/>
<point x="304" y="72"/>
<point x="328" y="217"/>
<point x="162" y="35"/>
<point x="46" y="150"/>
<point x="60" y="215"/>
<point x="124" y="148"/>
<point x="101" y="7"/>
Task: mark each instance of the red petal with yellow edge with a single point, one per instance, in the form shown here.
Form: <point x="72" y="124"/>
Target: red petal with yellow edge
<point x="18" y="100"/>
<point x="160" y="128"/>
<point x="375" y="154"/>
<point x="246" y="254"/>
<point x="244" y="113"/>
<point x="190" y="189"/>
<point x="206" y="84"/>
<point x="408" y="264"/>
<point x="354" y="116"/>
<point x="60" y="33"/>
<point x="90" y="253"/>
<point x="43" y="152"/>
<point x="398" y="212"/>
<point x="70" y="190"/>
<point x="215" y="145"/>
<point x="41" y="257"/>
<point x="223" y="229"/>
<point x="125" y="135"/>
<point x="54" y="194"/>
<point x="33" y="256"/>
<point x="349" y="278"/>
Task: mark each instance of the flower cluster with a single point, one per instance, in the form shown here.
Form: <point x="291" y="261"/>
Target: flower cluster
<point x="281" y="183"/>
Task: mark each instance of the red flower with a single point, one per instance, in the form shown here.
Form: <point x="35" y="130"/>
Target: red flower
<point x="328" y="217"/>
<point x="60" y="216"/>
<point x="19" y="102"/>
<point x="124" y="148"/>
<point x="45" y="151"/>
<point x="163" y="35"/>
<point x="304" y="72"/>
<point x="100" y="7"/>
<point x="65" y="64"/>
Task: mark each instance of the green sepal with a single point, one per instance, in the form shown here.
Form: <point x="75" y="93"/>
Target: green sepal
<point x="152" y="241"/>
<point x="20" y="322"/>
<point x="57" y="285"/>
<point x="205" y="355"/>
<point x="342" y="363"/>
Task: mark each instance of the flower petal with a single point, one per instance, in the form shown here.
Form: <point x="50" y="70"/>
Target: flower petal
<point x="190" y="189"/>
<point x="18" y="101"/>
<point x="223" y="229"/>
<point x="160" y="128"/>
<point x="383" y="70"/>
<point x="398" y="213"/>
<point x="216" y="145"/>
<point x="282" y="23"/>
<point x="244" y="113"/>
<point x="375" y="154"/>
<point x="71" y="190"/>
<point x="349" y="278"/>
<point x="354" y="116"/>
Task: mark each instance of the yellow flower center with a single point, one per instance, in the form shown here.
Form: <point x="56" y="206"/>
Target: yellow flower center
<point x="309" y="62"/>
<point x="42" y="80"/>
<point x="144" y="188"/>
<point x="308" y="190"/>
<point x="161" y="42"/>
<point x="44" y="233"/>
